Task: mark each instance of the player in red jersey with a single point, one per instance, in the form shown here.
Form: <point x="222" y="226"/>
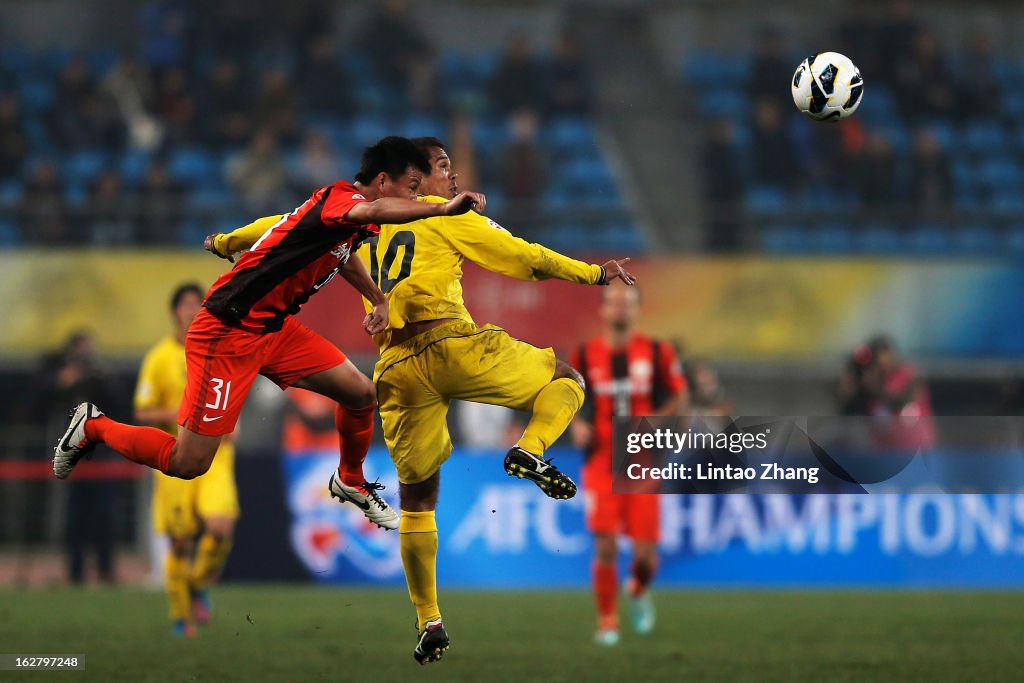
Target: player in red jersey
<point x="627" y="373"/>
<point x="246" y="328"/>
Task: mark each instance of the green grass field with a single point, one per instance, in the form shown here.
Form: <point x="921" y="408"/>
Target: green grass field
<point x="313" y="634"/>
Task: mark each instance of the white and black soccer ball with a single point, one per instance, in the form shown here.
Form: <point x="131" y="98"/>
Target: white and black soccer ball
<point x="827" y="86"/>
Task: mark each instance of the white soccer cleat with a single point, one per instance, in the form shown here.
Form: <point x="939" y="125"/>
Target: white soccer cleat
<point x="74" y="444"/>
<point x="606" y="637"/>
<point x="366" y="499"/>
<point x="644" y="614"/>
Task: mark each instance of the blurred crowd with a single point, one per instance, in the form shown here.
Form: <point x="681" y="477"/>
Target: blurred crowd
<point x="934" y="137"/>
<point x="214" y="107"/>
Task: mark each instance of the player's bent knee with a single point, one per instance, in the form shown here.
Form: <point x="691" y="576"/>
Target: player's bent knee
<point x="565" y="371"/>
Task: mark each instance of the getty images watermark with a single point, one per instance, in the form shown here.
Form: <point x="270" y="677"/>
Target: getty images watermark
<point x="702" y="454"/>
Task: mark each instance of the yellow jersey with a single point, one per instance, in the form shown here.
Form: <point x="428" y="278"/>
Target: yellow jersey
<point x="418" y="265"/>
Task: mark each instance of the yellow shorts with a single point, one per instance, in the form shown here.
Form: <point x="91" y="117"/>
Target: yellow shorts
<point x="179" y="504"/>
<point x="417" y="380"/>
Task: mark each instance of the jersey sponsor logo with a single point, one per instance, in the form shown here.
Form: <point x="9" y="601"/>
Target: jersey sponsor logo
<point x="342" y="251"/>
<point x="207" y="418"/>
<point x="495" y="225"/>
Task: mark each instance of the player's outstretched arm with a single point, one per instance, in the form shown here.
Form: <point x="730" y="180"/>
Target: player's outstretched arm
<point x="396" y="211"/>
<point x="356" y="274"/>
<point x="227" y="245"/>
<point x="486" y="243"/>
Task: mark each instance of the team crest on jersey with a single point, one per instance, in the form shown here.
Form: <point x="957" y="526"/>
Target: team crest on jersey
<point x="641" y="369"/>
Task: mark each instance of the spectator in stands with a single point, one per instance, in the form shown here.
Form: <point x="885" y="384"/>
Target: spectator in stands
<point x="161" y="206"/>
<point x="276" y="106"/>
<point x="707" y="396"/>
<point x="165" y="33"/>
<point x="258" y="174"/>
<point x="316" y="166"/>
<point x="524" y="169"/>
<point x="977" y="83"/>
<point x="722" y="184"/>
<point x="85" y="117"/>
<point x="931" y="178"/>
<point x="226" y="101"/>
<point x="769" y="63"/>
<point x="231" y="27"/>
<point x="176" y="107"/>
<point x="393" y="42"/>
<point x="323" y="83"/>
<point x="13" y="141"/>
<point x="569" y="88"/>
<point x="43" y="214"/>
<point x="109" y="218"/>
<point x="774" y="160"/>
<point x="518" y="82"/>
<point x="129" y="86"/>
<point x="895" y="31"/>
<point x="874" y="171"/>
<point x="924" y="81"/>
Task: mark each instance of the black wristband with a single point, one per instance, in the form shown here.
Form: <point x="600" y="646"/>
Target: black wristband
<point x="604" y="276"/>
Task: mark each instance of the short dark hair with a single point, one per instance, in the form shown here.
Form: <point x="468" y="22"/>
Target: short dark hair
<point x="182" y="291"/>
<point x="428" y="143"/>
<point x="391" y="155"/>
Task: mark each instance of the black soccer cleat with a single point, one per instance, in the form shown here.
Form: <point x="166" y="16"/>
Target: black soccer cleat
<point x="552" y="481"/>
<point x="432" y="644"/>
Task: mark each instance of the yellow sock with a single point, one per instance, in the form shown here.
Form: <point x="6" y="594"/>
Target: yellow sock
<point x="176" y="584"/>
<point x="211" y="555"/>
<point x="418" y="540"/>
<point x="553" y="410"/>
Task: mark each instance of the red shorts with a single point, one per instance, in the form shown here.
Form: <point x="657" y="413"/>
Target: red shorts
<point x="223" y="361"/>
<point x="633" y="514"/>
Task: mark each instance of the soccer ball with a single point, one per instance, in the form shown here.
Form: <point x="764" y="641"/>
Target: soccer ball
<point x="827" y="87"/>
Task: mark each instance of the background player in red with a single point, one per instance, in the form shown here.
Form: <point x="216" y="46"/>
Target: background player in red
<point x="627" y="373"/>
<point x="246" y="328"/>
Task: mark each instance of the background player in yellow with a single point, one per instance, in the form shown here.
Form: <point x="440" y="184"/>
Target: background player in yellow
<point x="184" y="508"/>
<point x="433" y="352"/>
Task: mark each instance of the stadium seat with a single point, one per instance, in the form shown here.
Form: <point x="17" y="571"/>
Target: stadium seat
<point x="783" y="239"/>
<point x="830" y="239"/>
<point x="10" y="193"/>
<point x="83" y="166"/>
<point x="975" y="239"/>
<point x="766" y="199"/>
<point x="1013" y="240"/>
<point x="366" y="130"/>
<point x="421" y="125"/>
<point x="730" y="104"/>
<point x="982" y="137"/>
<point x="133" y="167"/>
<point x="880" y="239"/>
<point x="929" y="240"/>
<point x="194" y="166"/>
<point x="9" y="235"/>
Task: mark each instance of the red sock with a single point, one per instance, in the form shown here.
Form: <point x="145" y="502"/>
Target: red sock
<point x="606" y="594"/>
<point x="355" y="427"/>
<point x="145" y="445"/>
<point x="642" y="573"/>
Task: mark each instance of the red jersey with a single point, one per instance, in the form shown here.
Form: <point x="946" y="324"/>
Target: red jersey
<point x="636" y="379"/>
<point x="296" y="257"/>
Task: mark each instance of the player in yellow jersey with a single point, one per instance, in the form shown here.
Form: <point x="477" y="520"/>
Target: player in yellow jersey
<point x="182" y="509"/>
<point x="433" y="352"/>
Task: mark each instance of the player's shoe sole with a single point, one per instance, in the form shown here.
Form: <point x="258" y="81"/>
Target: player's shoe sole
<point x="433" y="643"/>
<point x="552" y="481"/>
<point x="201" y="607"/>
<point x="74" y="445"/>
<point x="366" y="499"/>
